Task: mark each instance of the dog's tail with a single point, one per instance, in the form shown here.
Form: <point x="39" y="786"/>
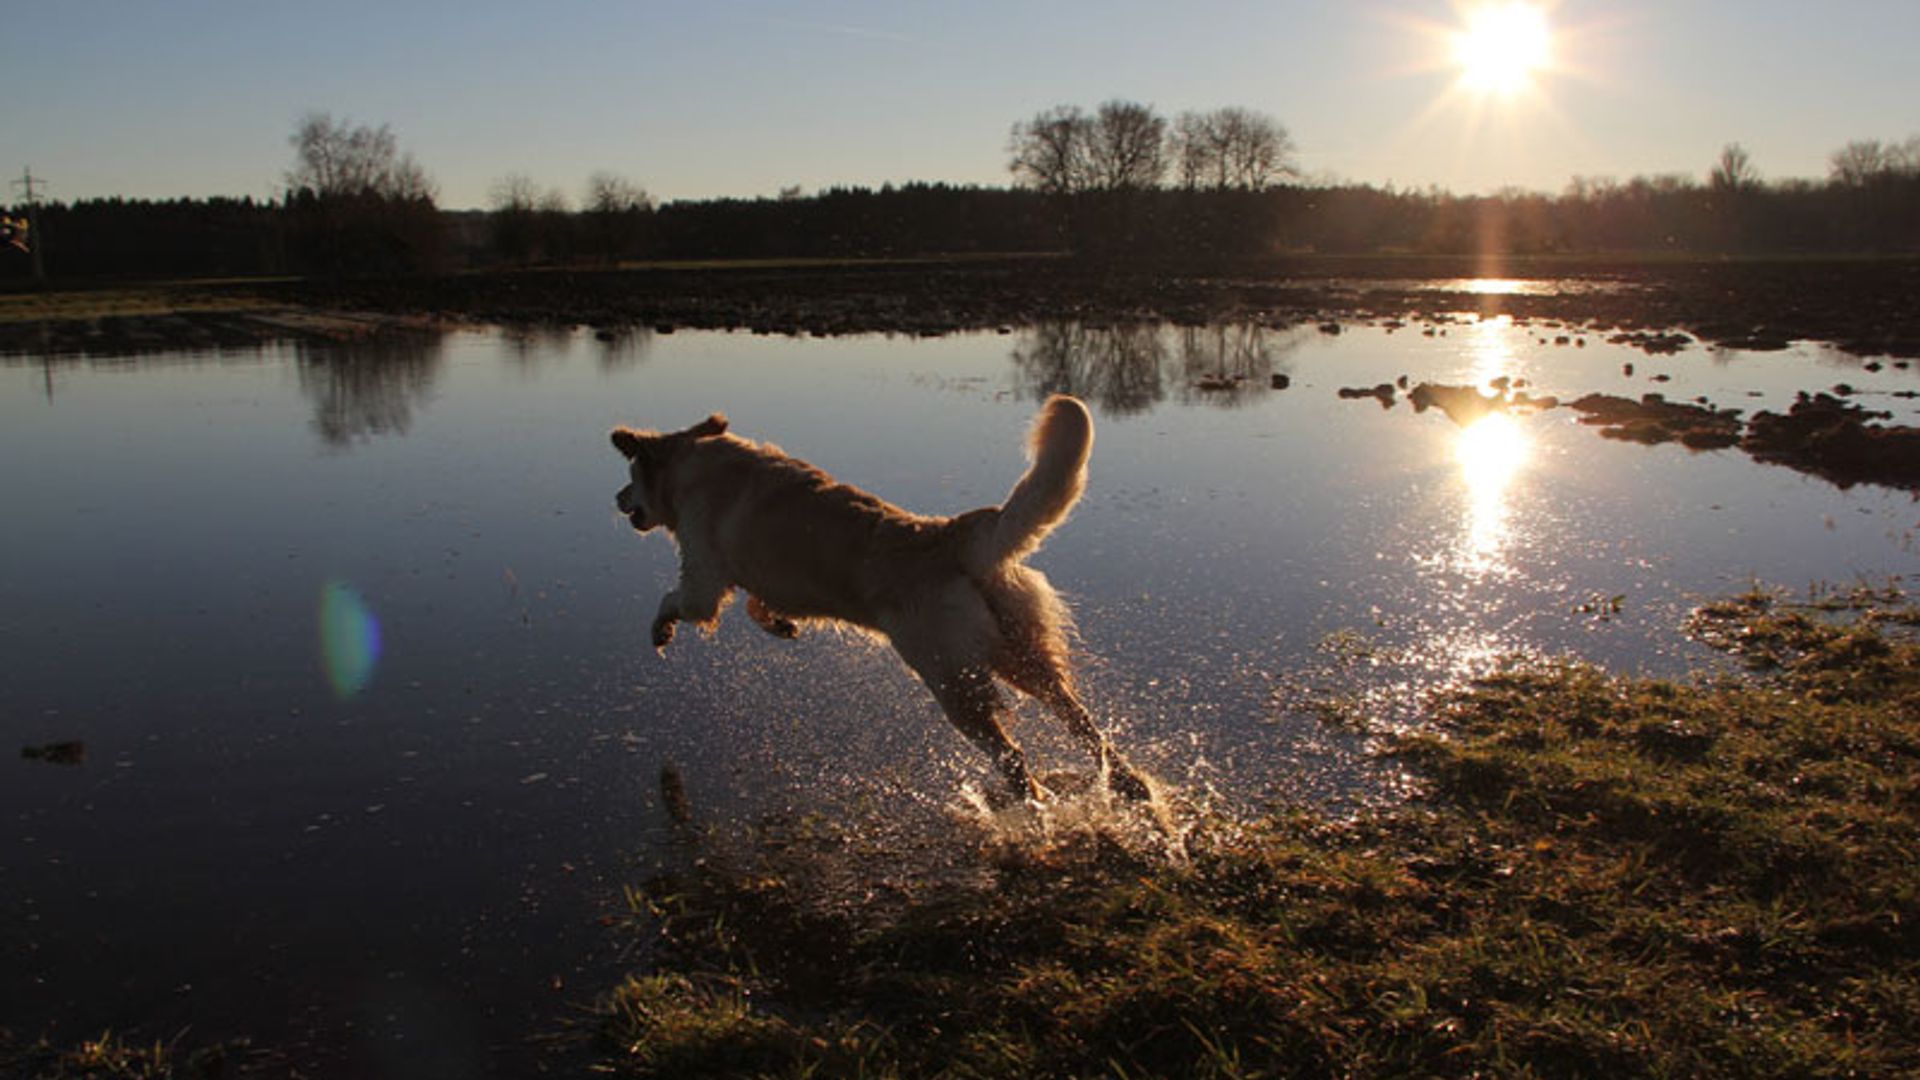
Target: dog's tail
<point x="1058" y="444"/>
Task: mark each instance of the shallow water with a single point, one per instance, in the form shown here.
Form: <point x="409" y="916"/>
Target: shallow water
<point x="358" y="648"/>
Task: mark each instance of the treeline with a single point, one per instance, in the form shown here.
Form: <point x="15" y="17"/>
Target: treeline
<point x="240" y="237"/>
<point x="1116" y="181"/>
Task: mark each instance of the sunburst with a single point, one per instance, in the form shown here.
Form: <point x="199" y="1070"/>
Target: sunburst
<point x="1502" y="46"/>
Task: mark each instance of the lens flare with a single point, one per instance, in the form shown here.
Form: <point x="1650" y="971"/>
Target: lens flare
<point x="349" y="639"/>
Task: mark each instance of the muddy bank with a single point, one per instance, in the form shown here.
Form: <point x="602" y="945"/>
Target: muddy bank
<point x="1819" y="434"/>
<point x="1864" y="306"/>
<point x="203" y="330"/>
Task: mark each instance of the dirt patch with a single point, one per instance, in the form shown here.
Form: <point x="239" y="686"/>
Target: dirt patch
<point x="1863" y="305"/>
<point x="1822" y="435"/>
<point x="1654" y="420"/>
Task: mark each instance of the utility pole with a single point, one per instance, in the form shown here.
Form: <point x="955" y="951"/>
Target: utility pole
<point x="35" y="238"/>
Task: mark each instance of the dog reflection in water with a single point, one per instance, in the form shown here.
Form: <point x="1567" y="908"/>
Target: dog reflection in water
<point x="952" y="595"/>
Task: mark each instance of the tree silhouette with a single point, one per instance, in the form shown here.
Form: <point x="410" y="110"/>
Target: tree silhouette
<point x="513" y="221"/>
<point x="1230" y="148"/>
<point x="337" y="160"/>
<point x="356" y="203"/>
<point x="616" y="212"/>
<point x="1127" y="147"/>
<point x="1733" y="171"/>
<point x="1052" y="153"/>
<point x="1867" y="161"/>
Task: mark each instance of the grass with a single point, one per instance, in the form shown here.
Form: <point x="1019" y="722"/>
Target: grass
<point x="1603" y="877"/>
<point x="115" y="1057"/>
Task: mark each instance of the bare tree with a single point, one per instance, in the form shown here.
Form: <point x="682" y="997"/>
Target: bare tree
<point x="356" y="203"/>
<point x="337" y="159"/>
<point x="1859" y="162"/>
<point x="515" y="219"/>
<point x="615" y="210"/>
<point x="1127" y="151"/>
<point x="1866" y="161"/>
<point x="1734" y="171"/>
<point x="514" y="192"/>
<point x="1052" y="151"/>
<point x="1231" y="148"/>
<point x="1196" y="160"/>
<point x="1258" y="149"/>
<point x="610" y="193"/>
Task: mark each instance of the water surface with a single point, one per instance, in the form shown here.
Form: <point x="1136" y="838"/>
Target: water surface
<point x="358" y="648"/>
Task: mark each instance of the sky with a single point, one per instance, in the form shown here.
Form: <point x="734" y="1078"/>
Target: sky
<point x="742" y="98"/>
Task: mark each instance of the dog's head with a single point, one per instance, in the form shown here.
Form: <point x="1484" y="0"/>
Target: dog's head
<point x="647" y="498"/>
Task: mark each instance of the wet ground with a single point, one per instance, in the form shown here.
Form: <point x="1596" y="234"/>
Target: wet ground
<point x="1864" y="306"/>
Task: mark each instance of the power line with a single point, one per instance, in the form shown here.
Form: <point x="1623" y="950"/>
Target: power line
<point x="34" y="242"/>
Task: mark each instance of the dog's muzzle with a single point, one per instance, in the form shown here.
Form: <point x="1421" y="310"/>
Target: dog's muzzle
<point x="636" y="514"/>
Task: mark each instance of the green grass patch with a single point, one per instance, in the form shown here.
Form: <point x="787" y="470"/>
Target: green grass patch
<point x="1603" y="877"/>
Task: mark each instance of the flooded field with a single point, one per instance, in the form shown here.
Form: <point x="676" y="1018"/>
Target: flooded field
<point x="333" y="662"/>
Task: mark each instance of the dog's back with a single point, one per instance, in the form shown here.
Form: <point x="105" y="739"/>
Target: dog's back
<point x="812" y="547"/>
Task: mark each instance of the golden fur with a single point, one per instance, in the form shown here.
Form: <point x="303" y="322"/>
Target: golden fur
<point x="951" y="595"/>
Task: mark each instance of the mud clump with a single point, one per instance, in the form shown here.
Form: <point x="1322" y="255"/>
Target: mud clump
<point x="1466" y="404"/>
<point x="1822" y="435"/>
<point x="69" y="752"/>
<point x="1654" y="420"/>
<point x="1652" y="342"/>
<point x="1382" y="393"/>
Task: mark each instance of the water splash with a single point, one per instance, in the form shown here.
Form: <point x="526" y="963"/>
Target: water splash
<point x="349" y="639"/>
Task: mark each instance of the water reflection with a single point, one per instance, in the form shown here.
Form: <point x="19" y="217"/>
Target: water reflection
<point x="1491" y="452"/>
<point x="619" y="347"/>
<point x="1118" y="368"/>
<point x="1227" y="364"/>
<point x="1131" y="367"/>
<point x="370" y="387"/>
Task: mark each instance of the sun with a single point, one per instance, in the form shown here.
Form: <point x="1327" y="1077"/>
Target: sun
<point x="1501" y="46"/>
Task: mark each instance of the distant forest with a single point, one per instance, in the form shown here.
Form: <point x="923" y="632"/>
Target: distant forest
<point x="1116" y="182"/>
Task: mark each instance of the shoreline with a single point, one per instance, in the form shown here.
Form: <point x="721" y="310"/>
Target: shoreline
<point x="1862" y="305"/>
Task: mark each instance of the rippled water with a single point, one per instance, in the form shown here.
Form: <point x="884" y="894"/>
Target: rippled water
<point x="358" y="648"/>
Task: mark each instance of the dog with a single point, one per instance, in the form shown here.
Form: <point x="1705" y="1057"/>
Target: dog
<point x="952" y="595"/>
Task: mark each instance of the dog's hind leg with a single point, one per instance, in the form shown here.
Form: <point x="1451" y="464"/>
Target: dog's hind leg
<point x="938" y="651"/>
<point x="770" y="620"/>
<point x="973" y="705"/>
<point x="1055" y="691"/>
<point x="1120" y="777"/>
<point x="1122" y="780"/>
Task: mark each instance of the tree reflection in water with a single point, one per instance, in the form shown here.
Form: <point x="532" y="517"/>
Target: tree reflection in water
<point x="1131" y="367"/>
<point x="371" y="387"/>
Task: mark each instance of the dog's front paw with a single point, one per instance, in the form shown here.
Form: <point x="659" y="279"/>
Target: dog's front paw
<point x="662" y="633"/>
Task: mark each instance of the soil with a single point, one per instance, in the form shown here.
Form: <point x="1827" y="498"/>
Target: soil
<point x="1866" y="306"/>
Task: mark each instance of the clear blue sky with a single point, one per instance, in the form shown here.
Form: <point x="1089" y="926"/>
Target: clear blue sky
<point x="161" y="98"/>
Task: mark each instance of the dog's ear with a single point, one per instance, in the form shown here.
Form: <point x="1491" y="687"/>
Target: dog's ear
<point x="711" y="426"/>
<point x="627" y="443"/>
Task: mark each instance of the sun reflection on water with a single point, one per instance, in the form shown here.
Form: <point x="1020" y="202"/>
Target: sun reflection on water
<point x="1491" y="452"/>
